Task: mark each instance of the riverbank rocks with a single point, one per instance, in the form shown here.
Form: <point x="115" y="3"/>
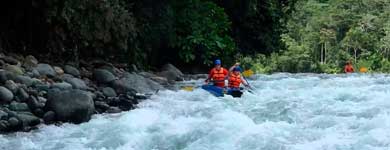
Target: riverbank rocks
<point x="32" y="93"/>
<point x="103" y="76"/>
<point x="72" y="105"/>
<point x="46" y="69"/>
<point x="5" y="95"/>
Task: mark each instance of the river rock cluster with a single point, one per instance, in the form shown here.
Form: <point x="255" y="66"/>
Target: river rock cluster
<point x="32" y="92"/>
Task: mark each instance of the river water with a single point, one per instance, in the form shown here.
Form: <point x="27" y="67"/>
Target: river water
<point x="285" y="112"/>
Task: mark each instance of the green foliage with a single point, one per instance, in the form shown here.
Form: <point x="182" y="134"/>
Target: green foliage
<point x="202" y="31"/>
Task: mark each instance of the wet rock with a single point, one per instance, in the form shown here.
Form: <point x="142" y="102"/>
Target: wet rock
<point x="72" y="70"/>
<point x="72" y="105"/>
<point x="103" y="76"/>
<point x="113" y="110"/>
<point x="46" y="69"/>
<point x="61" y="86"/>
<point x="76" y="83"/>
<point x="14" y="69"/>
<point x="28" y="119"/>
<point x="4" y="125"/>
<point x="109" y="92"/>
<point x="101" y="105"/>
<point x="13" y="122"/>
<point x="5" y="95"/>
<point x="11" y="85"/>
<point x="15" y="106"/>
<point x="49" y="117"/>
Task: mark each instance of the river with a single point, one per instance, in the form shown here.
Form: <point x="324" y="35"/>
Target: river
<point x="284" y="112"/>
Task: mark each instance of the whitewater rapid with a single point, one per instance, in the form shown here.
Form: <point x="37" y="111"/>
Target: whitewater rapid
<point x="286" y="112"/>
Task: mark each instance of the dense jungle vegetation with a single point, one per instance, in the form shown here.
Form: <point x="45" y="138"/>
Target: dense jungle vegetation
<point x="265" y="35"/>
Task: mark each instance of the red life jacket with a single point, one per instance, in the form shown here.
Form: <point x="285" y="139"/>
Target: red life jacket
<point x="234" y="80"/>
<point x="218" y="77"/>
<point x="349" y="68"/>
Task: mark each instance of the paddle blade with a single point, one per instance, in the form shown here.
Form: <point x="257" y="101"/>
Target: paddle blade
<point x="363" y="70"/>
<point x="247" y="73"/>
<point x="188" y="88"/>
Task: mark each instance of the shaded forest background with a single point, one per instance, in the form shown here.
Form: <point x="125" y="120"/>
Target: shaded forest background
<point x="265" y="35"/>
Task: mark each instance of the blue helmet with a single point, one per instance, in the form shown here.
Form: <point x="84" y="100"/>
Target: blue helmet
<point x="237" y="69"/>
<point x="217" y="62"/>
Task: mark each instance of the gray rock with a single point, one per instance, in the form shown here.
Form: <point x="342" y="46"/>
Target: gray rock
<point x="14" y="69"/>
<point x="30" y="62"/>
<point x="28" y="119"/>
<point x="42" y="87"/>
<point x="11" y="85"/>
<point x="76" y="83"/>
<point x="109" y="92"/>
<point x="46" y="69"/>
<point x="72" y="70"/>
<point x="10" y="60"/>
<point x="5" y="95"/>
<point x="49" y="117"/>
<point x="102" y="105"/>
<point x="15" y="106"/>
<point x="3" y="115"/>
<point x="61" y="86"/>
<point x="113" y="110"/>
<point x="22" y="95"/>
<point x="4" y="125"/>
<point x="131" y="82"/>
<point x="34" y="103"/>
<point x="103" y="76"/>
<point x="72" y="105"/>
<point x="3" y="76"/>
<point x="24" y="80"/>
<point x="13" y="122"/>
<point x="171" y="73"/>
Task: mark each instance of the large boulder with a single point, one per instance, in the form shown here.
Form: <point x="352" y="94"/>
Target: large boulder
<point x="15" y="106"/>
<point x="46" y="69"/>
<point x="132" y="81"/>
<point x="28" y="119"/>
<point x="109" y="92"/>
<point x="72" y="105"/>
<point x="5" y="95"/>
<point x="103" y="76"/>
<point x="71" y="70"/>
<point x="171" y="73"/>
<point x="61" y="86"/>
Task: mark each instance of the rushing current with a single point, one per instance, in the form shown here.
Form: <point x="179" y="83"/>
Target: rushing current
<point x="284" y="112"/>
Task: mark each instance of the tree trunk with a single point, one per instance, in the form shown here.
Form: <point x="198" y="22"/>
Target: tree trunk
<point x="322" y="56"/>
<point x="325" y="53"/>
<point x="355" y="50"/>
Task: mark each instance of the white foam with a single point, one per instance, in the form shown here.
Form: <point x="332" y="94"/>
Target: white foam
<point x="287" y="112"/>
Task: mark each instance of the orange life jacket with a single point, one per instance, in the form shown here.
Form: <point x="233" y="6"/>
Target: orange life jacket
<point x="218" y="76"/>
<point x="234" y="80"/>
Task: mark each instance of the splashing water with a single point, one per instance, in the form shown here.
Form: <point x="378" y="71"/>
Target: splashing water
<point x="286" y="112"/>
